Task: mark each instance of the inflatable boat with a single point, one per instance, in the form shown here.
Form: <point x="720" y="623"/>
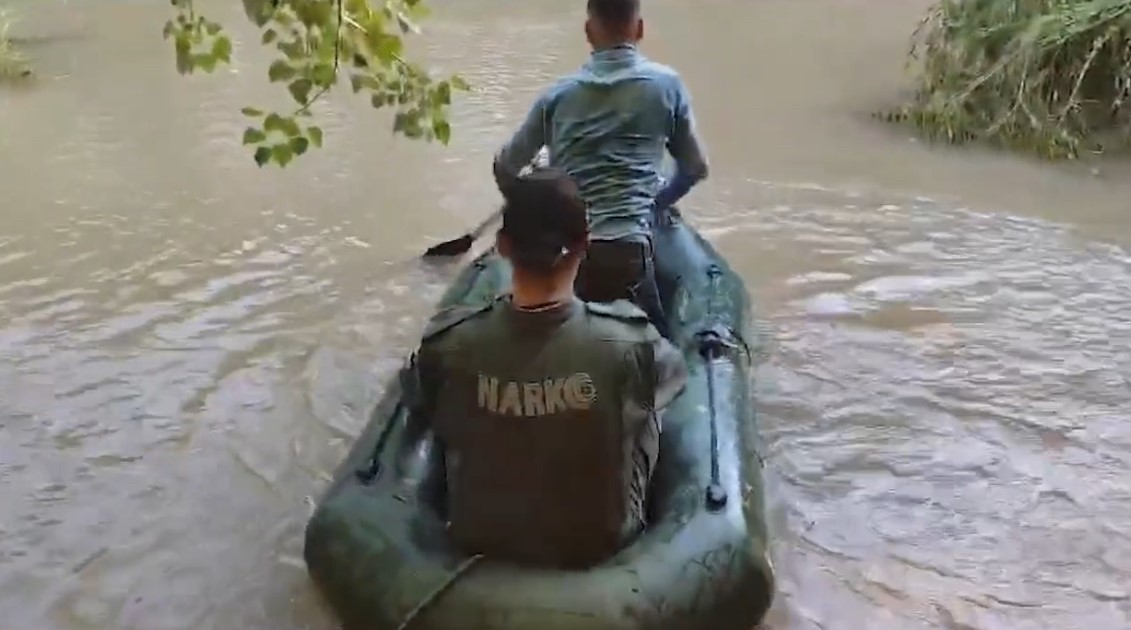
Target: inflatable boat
<point x="376" y="547"/>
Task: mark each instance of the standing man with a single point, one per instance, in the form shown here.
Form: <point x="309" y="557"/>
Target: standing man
<point x="608" y="126"/>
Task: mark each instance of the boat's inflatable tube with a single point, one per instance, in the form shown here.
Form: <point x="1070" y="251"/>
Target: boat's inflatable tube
<point x="376" y="547"/>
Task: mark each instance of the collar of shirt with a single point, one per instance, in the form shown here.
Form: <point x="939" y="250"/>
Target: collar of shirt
<point x="615" y="55"/>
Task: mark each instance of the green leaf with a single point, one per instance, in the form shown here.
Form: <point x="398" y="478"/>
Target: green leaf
<point x="283" y="14"/>
<point x="361" y="82"/>
<point x="280" y="70"/>
<point x="315" y="134"/>
<point x="283" y="153"/>
<point x="274" y="122"/>
<point x="222" y="49"/>
<point x="387" y="47"/>
<point x="262" y="155"/>
<point x="300" y="90"/>
<point x="294" y="51"/>
<point x="183" y="48"/>
<point x="324" y="74"/>
<point x="169" y="29"/>
<point x="460" y="83"/>
<point x="251" y="135"/>
<point x="211" y="28"/>
<point x="287" y="126"/>
<point x="444" y="93"/>
<point x="258" y="11"/>
<point x="251" y="112"/>
<point x="269" y="36"/>
<point x="205" y="62"/>
<point x="443" y="131"/>
<point x="299" y="145"/>
<point x="377" y="101"/>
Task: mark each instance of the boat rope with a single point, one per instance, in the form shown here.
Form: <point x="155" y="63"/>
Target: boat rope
<point x="431" y="598"/>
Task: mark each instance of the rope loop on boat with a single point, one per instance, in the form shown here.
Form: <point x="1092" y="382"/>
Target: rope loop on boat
<point x="369" y="473"/>
<point x="431" y="598"/>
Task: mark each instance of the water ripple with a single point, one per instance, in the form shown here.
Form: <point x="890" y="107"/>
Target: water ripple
<point x="973" y="440"/>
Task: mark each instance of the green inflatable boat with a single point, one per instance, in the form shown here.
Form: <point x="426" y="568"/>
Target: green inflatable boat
<point x="376" y="548"/>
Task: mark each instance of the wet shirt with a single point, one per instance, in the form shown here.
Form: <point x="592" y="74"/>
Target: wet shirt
<point x="608" y="126"/>
<point x="549" y="423"/>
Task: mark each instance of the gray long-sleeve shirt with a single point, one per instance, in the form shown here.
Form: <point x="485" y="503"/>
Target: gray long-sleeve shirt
<point x="608" y="126"/>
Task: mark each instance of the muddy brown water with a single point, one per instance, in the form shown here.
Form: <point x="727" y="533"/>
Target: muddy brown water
<point x="187" y="343"/>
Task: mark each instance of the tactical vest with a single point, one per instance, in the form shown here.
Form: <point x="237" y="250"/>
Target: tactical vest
<point x="537" y="444"/>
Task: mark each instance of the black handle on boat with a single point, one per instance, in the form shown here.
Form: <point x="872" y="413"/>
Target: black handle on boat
<point x="716" y="494"/>
<point x="369" y="474"/>
<point x="713" y="343"/>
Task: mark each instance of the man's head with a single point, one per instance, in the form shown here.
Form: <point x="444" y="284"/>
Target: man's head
<point x="613" y="22"/>
<point x="545" y="226"/>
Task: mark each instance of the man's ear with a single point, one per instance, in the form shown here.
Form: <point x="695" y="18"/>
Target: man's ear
<point x="639" y="29"/>
<point x="580" y="248"/>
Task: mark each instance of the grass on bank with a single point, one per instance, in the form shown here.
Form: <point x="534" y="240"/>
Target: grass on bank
<point x="1051" y="77"/>
<point x="13" y="64"/>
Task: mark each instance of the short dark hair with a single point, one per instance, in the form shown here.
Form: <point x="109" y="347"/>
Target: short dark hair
<point x="614" y="12"/>
<point x="544" y="219"/>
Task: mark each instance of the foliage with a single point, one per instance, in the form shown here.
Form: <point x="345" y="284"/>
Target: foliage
<point x="13" y="65"/>
<point x="1045" y="76"/>
<point x="317" y="41"/>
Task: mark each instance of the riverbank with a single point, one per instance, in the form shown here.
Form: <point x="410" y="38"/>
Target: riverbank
<point x="12" y="61"/>
<point x="804" y="92"/>
<point x="1047" y="77"/>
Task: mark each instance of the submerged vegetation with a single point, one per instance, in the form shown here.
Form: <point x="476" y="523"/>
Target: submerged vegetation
<point x="13" y="64"/>
<point x="318" y="41"/>
<point x="1051" y="77"/>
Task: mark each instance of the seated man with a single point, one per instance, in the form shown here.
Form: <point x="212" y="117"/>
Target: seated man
<point x="546" y="408"/>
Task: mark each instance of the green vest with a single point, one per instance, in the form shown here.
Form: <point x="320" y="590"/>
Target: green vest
<point x="542" y="425"/>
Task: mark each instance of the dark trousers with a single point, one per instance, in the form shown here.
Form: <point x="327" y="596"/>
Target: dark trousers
<point x="614" y="270"/>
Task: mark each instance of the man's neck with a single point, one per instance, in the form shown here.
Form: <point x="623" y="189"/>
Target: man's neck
<point x="530" y="292"/>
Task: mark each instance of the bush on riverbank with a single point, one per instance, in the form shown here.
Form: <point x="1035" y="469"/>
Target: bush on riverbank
<point x="12" y="62"/>
<point x="1045" y="76"/>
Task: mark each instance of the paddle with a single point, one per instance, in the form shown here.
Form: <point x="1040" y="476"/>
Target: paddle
<point x="460" y="246"/>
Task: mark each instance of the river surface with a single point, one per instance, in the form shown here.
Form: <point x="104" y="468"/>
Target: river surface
<point x="188" y="343"/>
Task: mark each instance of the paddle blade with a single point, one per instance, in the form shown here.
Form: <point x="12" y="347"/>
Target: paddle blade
<point x="447" y="249"/>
